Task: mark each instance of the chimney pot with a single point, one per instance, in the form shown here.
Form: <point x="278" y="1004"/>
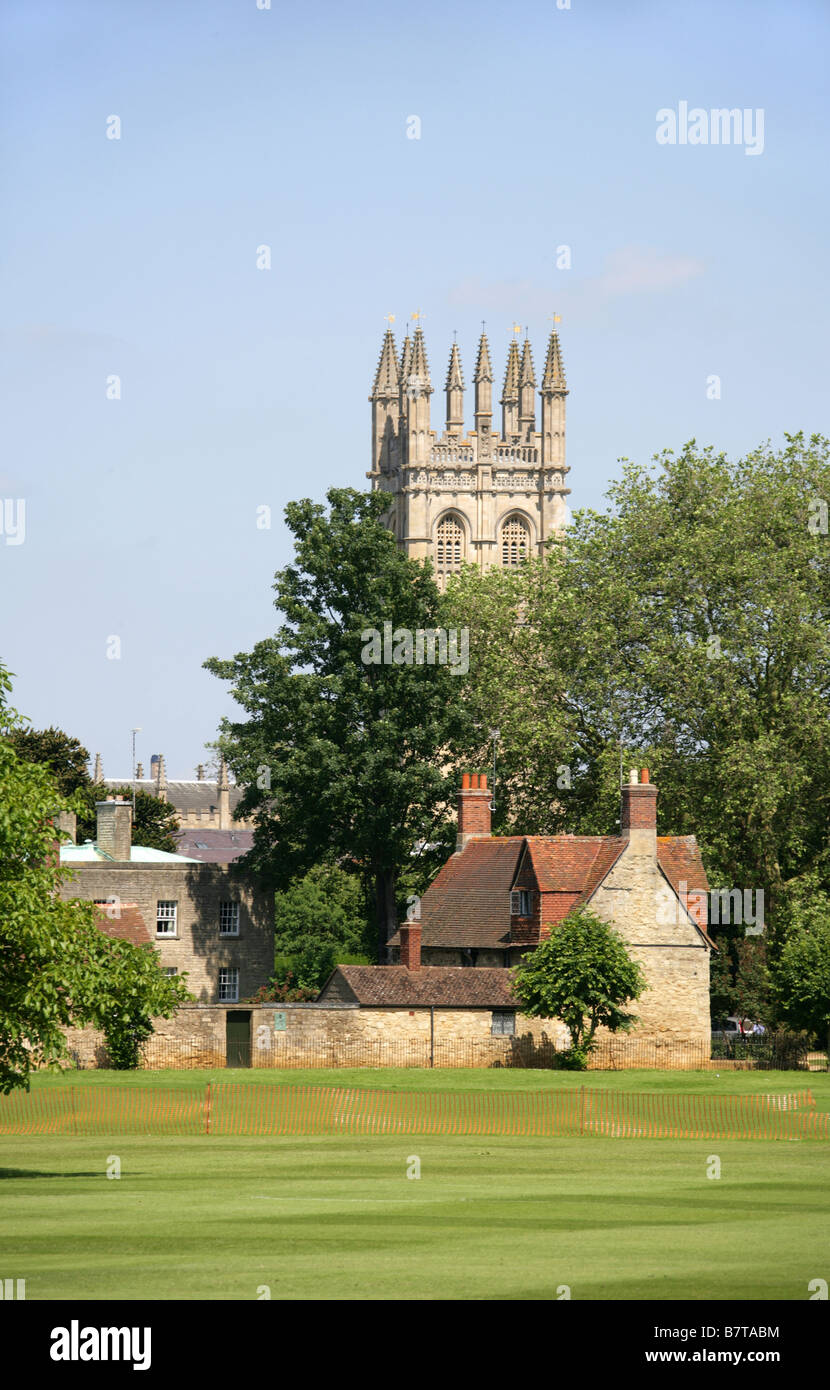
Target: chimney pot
<point x="638" y="816"/>
<point x="644" y="776"/>
<point x="473" y="810"/>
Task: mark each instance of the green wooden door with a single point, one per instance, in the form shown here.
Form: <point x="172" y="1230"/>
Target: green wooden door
<point x="238" y="1037"/>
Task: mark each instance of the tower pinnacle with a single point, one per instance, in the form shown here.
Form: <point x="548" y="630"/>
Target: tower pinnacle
<point x="455" y="393"/>
<point x="510" y="393"/>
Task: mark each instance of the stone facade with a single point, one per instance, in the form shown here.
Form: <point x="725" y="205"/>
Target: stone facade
<point x="198" y="890"/>
<point x="495" y="900"/>
<point x="329" y="1034"/>
<point x="482" y="497"/>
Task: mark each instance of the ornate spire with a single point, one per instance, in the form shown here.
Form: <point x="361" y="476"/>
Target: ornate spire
<point x="455" y="381"/>
<point x="554" y="390"/>
<point x="98" y="771"/>
<point x="484" y="372"/>
<point x="386" y="377"/>
<point x="484" y="394"/>
<point x="510" y="394"/>
<point x="406" y="359"/>
<point x="455" y="393"/>
<point x="527" y="394"/>
<point x="554" y="378"/>
<point x="527" y="376"/>
<point x="511" y="376"/>
<point x="420" y="366"/>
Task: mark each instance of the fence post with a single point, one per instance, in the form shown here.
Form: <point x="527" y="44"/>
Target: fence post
<point x="207" y="1109"/>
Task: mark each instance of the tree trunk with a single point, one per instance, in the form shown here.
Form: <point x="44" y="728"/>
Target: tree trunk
<point x="386" y="909"/>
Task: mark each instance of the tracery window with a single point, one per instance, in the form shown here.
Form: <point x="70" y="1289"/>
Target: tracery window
<point x="449" y="545"/>
<point x="515" y="542"/>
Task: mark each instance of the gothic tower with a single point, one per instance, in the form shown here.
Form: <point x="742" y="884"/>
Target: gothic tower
<point x="481" y="497"/>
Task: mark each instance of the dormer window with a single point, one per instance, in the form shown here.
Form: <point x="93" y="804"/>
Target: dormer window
<point x="520" y="903"/>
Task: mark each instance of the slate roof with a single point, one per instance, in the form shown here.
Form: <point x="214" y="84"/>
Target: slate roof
<point x="448" y="986"/>
<point x="215" y="846"/>
<point x="183" y="796"/>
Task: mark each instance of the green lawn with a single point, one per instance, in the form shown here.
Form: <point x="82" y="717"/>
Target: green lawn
<point x="489" y="1218"/>
<point x="473" y="1079"/>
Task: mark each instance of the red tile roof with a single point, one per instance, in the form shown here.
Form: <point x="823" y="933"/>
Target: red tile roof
<point x="468" y="904"/>
<point x="129" y="925"/>
<point x="394" y="986"/>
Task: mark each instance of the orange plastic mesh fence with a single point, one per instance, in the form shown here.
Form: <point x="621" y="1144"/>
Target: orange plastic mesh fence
<point x="230" y="1108"/>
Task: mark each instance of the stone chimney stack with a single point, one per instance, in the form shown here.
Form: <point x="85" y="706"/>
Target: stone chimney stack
<point x="638" y="813"/>
<point x="154" y="767"/>
<point x="139" y="772"/>
<point x="67" y="821"/>
<point x="114" y="827"/>
<point x="411" y="946"/>
<point x="161" y="778"/>
<point x="223" y="796"/>
<point x="473" y="810"/>
<point x="200" y="773"/>
<point x="98" y="770"/>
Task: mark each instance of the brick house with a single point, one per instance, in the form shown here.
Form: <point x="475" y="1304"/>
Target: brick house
<point x="205" y="919"/>
<point x="496" y="898"/>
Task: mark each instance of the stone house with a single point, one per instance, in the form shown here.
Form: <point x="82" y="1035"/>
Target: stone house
<point x="204" y="919"/>
<point x="205" y="809"/>
<point x="497" y="898"/>
<point x="400" y="1001"/>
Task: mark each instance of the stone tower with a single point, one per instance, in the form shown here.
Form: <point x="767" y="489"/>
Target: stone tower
<point x="482" y="497"/>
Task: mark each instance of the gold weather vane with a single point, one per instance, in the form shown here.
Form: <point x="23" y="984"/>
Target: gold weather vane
<point x="517" y="328"/>
<point x="557" y="318"/>
<point x="390" y="318"/>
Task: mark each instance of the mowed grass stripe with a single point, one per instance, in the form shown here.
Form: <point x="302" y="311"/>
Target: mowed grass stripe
<point x="337" y="1218"/>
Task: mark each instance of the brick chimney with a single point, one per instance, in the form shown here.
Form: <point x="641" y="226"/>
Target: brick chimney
<point x="411" y="946"/>
<point x="473" y="810"/>
<point x="638" y="813"/>
<point x="114" y="827"/>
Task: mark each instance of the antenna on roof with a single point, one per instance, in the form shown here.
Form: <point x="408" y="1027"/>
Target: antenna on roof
<point x="495" y="734"/>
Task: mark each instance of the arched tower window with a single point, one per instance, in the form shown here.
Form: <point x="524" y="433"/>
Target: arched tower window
<point x="515" y="542"/>
<point x="449" y="545"/>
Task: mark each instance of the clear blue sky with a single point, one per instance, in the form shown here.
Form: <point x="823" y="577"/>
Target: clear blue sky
<point x="287" y="127"/>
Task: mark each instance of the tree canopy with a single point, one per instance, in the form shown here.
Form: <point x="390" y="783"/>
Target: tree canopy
<point x="581" y="974"/>
<point x="345" y="755"/>
<point x="57" y="968"/>
<point x="686" y="627"/>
